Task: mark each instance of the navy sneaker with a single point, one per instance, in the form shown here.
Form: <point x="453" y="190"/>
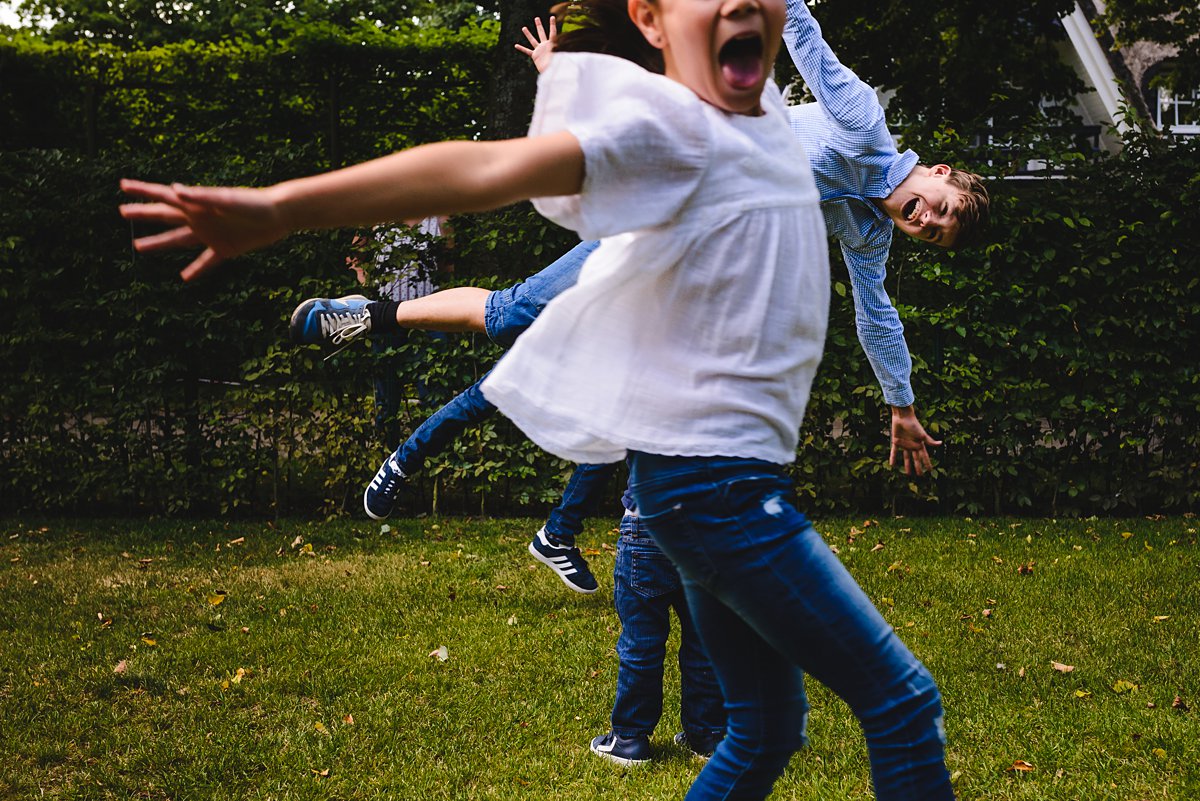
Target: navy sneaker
<point x="330" y="321"/>
<point x="622" y="750"/>
<point x="702" y="747"/>
<point x="565" y="560"/>
<point x="380" y="495"/>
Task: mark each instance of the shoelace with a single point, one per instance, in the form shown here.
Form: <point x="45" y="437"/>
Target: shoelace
<point x="346" y="327"/>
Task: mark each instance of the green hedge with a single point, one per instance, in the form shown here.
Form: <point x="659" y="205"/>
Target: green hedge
<point x="1059" y="364"/>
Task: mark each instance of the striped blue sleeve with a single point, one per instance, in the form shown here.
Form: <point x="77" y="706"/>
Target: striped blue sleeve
<point x="879" y="329"/>
<point x="843" y="97"/>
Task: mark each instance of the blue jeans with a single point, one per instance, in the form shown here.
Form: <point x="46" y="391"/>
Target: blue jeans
<point x="771" y="603"/>
<point x="510" y="311"/>
<point x="465" y="410"/>
<point x="587" y="484"/>
<point x="645" y="589"/>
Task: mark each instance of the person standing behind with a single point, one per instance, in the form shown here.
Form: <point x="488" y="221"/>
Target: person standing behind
<point x="405" y="268"/>
<point x="646" y="587"/>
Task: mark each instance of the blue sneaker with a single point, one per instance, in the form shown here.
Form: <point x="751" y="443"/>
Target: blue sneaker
<point x="702" y="747"/>
<point x="330" y="321"/>
<point x="380" y="495"/>
<point x="566" y="562"/>
<point x="622" y="750"/>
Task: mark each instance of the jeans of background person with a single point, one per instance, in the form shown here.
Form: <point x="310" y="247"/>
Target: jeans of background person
<point x="510" y="311"/>
<point x="645" y="589"/>
<point x="771" y="603"/>
<point x="587" y="485"/>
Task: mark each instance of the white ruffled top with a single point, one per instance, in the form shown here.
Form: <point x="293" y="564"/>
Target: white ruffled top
<point x="696" y="327"/>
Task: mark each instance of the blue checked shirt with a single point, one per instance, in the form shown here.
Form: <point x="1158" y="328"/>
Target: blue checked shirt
<point x="854" y="159"/>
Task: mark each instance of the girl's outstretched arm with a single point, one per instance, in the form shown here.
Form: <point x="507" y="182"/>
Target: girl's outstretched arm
<point x="442" y="178"/>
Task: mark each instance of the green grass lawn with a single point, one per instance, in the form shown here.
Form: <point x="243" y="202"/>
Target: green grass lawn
<point x="171" y="660"/>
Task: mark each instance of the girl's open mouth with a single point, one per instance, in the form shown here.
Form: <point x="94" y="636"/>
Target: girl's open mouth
<point x="741" y="60"/>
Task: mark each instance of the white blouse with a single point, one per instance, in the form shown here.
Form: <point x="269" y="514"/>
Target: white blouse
<point x="696" y="327"/>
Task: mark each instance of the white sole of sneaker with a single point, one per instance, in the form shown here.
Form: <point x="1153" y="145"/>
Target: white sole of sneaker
<point x="367" y="509"/>
<point x="617" y="759"/>
<point x="548" y="562"/>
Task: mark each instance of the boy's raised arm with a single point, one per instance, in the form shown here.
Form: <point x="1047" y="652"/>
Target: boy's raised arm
<point x="440" y="178"/>
<point x="842" y="95"/>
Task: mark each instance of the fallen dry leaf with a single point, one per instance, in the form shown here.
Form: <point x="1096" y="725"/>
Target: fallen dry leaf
<point x="238" y="541"/>
<point x="349" y="720"/>
<point x="877" y="547"/>
<point x="1061" y="668"/>
<point x="320" y="728"/>
<point x="324" y="774"/>
<point x="121" y="667"/>
<point x="1123" y="686"/>
<point x="217" y="598"/>
<point x="1180" y="705"/>
<point x="1022" y="766"/>
<point x="442" y="654"/>
<point x="296" y="543"/>
<point x="1082" y="694"/>
<point x="1026" y="569"/>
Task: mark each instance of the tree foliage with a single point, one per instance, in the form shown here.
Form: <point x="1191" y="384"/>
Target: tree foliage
<point x="1055" y="363"/>
<point x="1175" y="23"/>
<point x="146" y="23"/>
<point x="954" y="62"/>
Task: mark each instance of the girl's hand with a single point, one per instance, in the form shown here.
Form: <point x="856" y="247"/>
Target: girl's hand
<point x="227" y="222"/>
<point x="542" y="45"/>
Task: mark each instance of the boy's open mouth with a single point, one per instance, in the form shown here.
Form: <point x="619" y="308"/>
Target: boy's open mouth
<point x="741" y="61"/>
<point x="910" y="209"/>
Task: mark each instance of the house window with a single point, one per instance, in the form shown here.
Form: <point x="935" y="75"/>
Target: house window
<point x="1180" y="112"/>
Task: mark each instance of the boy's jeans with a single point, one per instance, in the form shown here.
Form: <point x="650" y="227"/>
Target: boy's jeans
<point x="771" y="602"/>
<point x="509" y="312"/>
<point x="645" y="589"/>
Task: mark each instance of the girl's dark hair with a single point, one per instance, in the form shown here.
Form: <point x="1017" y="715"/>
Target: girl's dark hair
<point x="604" y="26"/>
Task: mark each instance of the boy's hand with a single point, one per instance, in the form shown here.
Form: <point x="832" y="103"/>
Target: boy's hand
<point x="909" y="439"/>
<point x="542" y="45"/>
<point x="227" y="222"/>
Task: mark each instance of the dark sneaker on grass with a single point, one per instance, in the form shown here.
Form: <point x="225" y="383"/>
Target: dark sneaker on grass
<point x="702" y="747"/>
<point x="380" y="495"/>
<point x="330" y="321"/>
<point x="566" y="561"/>
<point x="622" y="750"/>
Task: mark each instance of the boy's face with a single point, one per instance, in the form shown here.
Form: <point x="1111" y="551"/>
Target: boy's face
<point x="722" y="50"/>
<point x="923" y="206"/>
